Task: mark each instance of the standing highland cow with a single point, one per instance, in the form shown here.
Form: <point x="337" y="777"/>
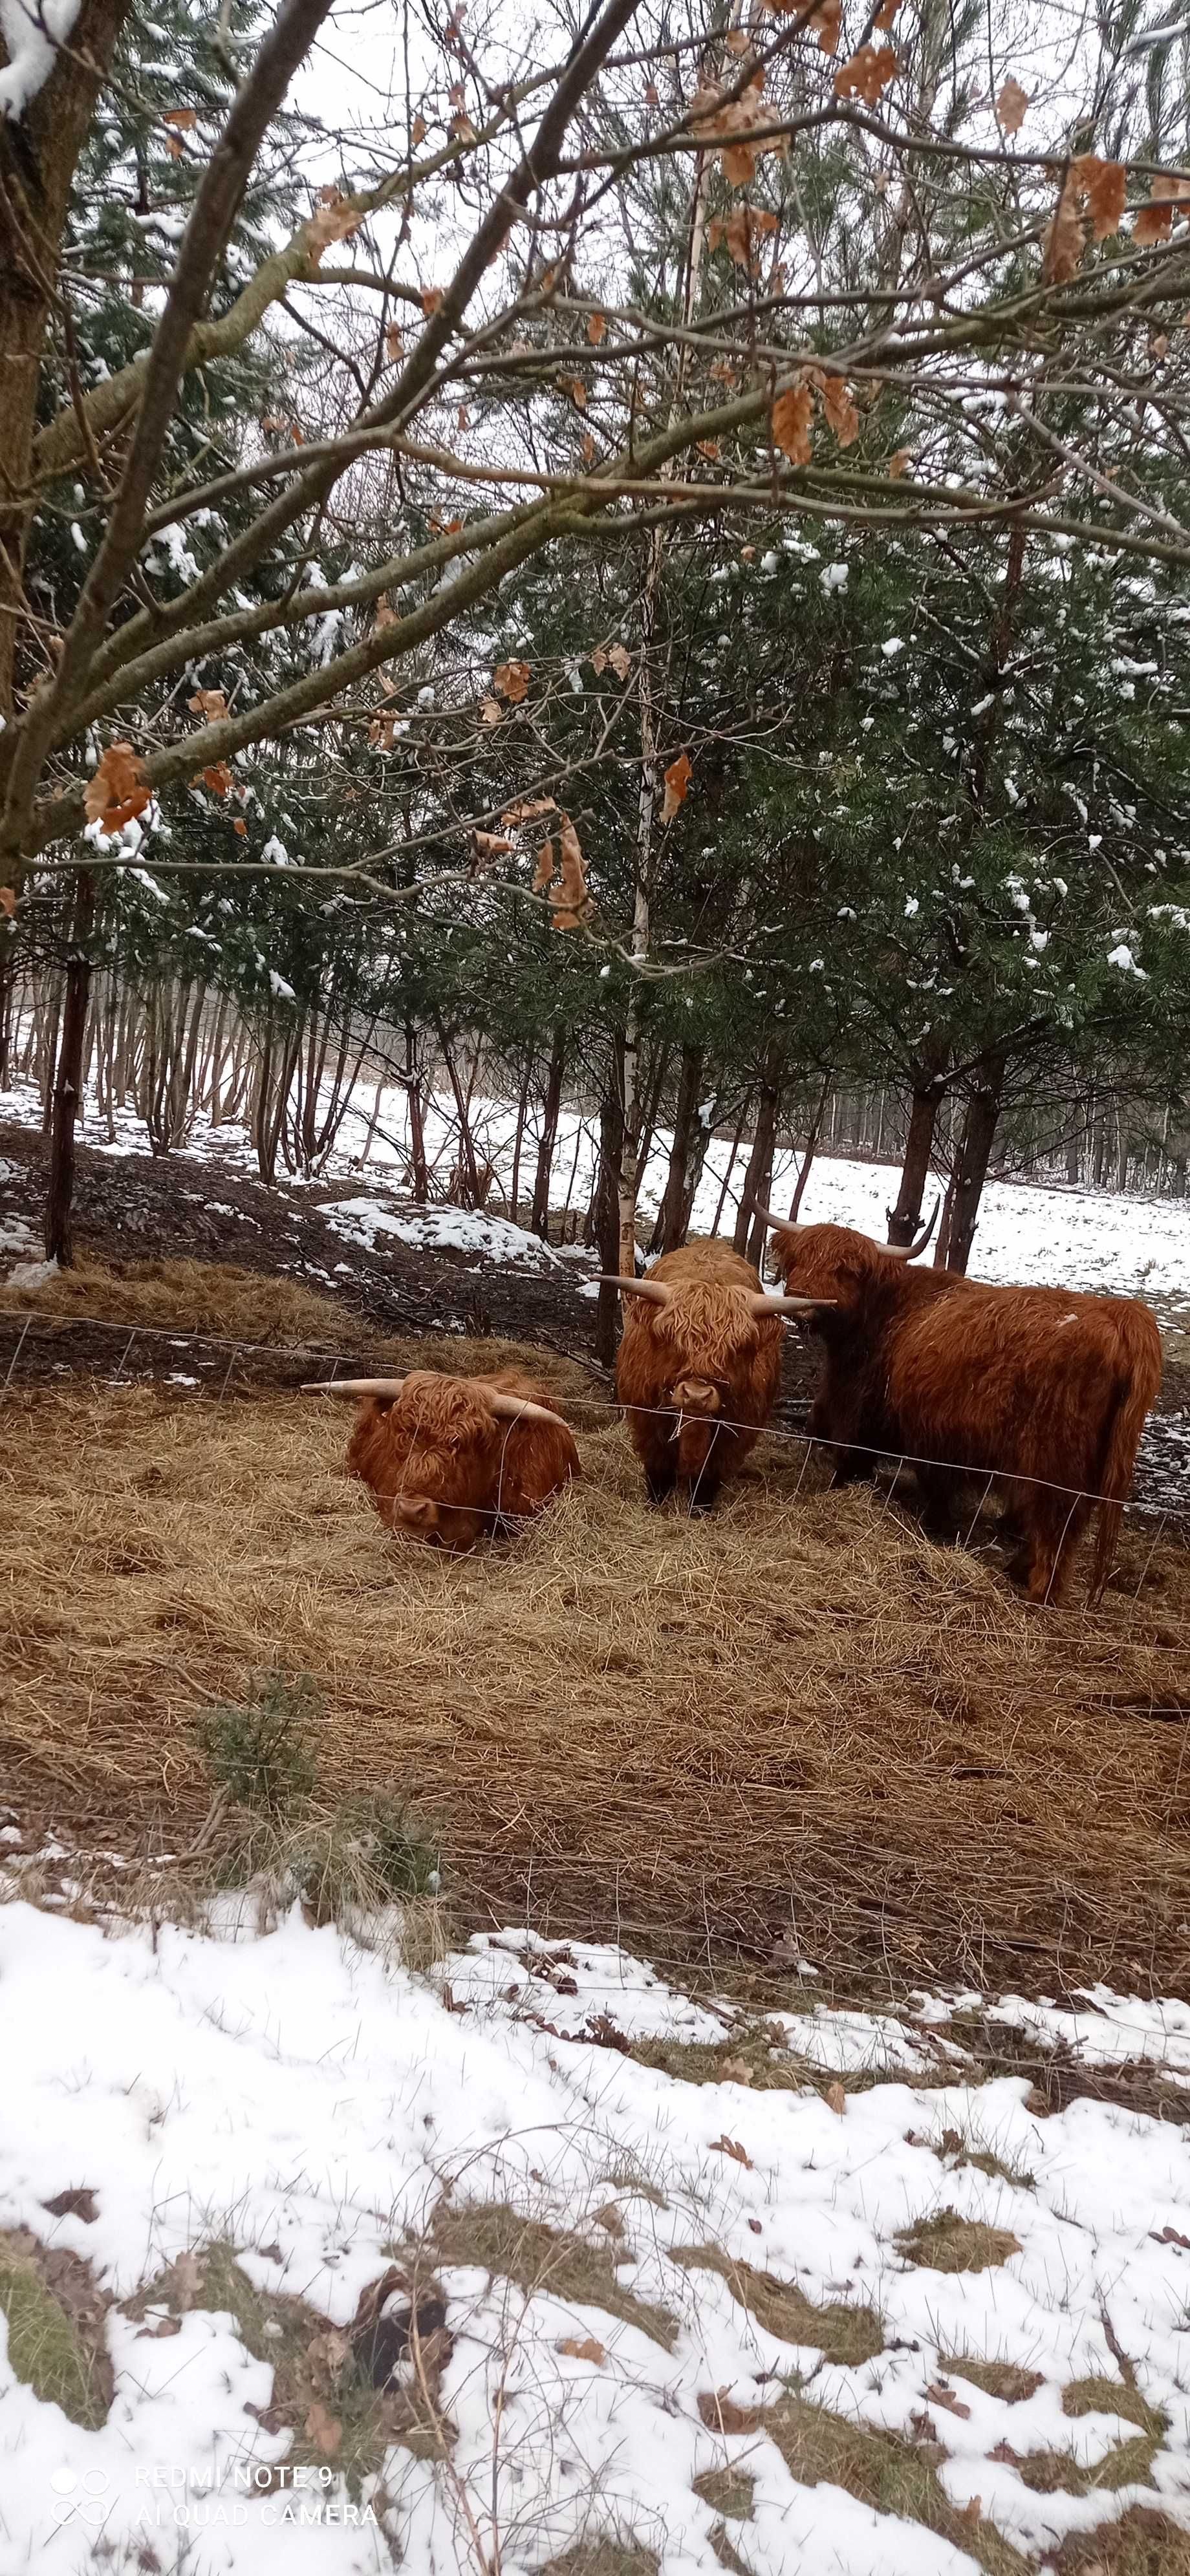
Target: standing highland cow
<point x="455" y="1459"/>
<point x="1044" y="1390"/>
<point x="699" y="1367"/>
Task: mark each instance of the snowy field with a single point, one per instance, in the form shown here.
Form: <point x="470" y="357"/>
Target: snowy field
<point x="1068" y="1238"/>
<point x="291" y="2095"/>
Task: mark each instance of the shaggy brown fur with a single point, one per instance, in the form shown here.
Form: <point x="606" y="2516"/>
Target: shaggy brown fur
<point x="1025" y="1383"/>
<point x="706" y="1362"/>
<point x="442" y="1466"/>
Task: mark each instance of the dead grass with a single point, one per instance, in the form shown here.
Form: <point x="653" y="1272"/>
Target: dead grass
<point x="845" y="2334"/>
<point x="1112" y="2397"/>
<point x="1003" y="2379"/>
<point x="950" y="2243"/>
<point x="55" y="2314"/>
<point x="497" y="2239"/>
<point x="883" y="2471"/>
<point x="1127" y="2464"/>
<point x="1142" y="2543"/>
<point x="727" y="2491"/>
<point x="606" y="2557"/>
<point x="630" y="1723"/>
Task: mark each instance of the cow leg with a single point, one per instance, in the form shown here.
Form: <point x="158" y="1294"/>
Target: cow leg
<point x="704" y="1492"/>
<point x="1055" y="1527"/>
<point x="940" y="1516"/>
<point x="659" y="1483"/>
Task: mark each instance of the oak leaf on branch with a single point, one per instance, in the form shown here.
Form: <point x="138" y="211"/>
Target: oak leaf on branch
<point x="211" y="703"/>
<point x="1011" y="107"/>
<point x="117" y="791"/>
<point x="572" y="899"/>
<point x="335" y="220"/>
<point x="512" y="681"/>
<point x="677" y="786"/>
<point x="596" y="328"/>
<point x="791" y="418"/>
<point x="866" y="74"/>
<point x="840" y="409"/>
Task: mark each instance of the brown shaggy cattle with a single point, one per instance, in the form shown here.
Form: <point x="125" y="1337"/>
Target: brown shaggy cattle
<point x="455" y="1459"/>
<point x="1044" y="1389"/>
<point x="699" y="1366"/>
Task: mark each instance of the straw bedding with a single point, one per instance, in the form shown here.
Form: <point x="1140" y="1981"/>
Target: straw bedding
<point x="797" y="1726"/>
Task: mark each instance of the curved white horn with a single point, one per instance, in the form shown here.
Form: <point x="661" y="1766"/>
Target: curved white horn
<point x="769" y="1216"/>
<point x="354" y="1386"/>
<point x="909" y="1251"/>
<point x="762" y="1305"/>
<point x="518" y="1408"/>
<point x="653" y="1290"/>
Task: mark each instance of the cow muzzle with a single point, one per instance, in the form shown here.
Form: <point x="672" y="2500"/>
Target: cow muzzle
<point x="696" y="1395"/>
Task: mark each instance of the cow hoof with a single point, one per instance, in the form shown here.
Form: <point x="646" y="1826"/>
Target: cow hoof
<point x="701" y="1504"/>
<point x="659" y="1488"/>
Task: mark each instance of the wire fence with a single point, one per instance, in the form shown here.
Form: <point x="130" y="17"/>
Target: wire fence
<point x="1172" y="1517"/>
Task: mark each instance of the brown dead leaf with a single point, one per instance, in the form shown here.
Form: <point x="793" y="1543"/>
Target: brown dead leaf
<point x="324" y="2430"/>
<point x="621" y="660"/>
<point x="744" y="231"/>
<point x="1103" y="187"/>
<point x="418" y="131"/>
<point x="939" y="2396"/>
<point x="1011" y="107"/>
<point x="1065" y="236"/>
<point x="218" y="779"/>
<point x="546" y="868"/>
<point x="836" y="2099"/>
<point x="708" y="447"/>
<point x="596" y="329"/>
<point x="827" y="23"/>
<point x="840" y="409"/>
<point x="791" y="418"/>
<point x="885" y="15"/>
<point x="81" y="2201"/>
<point x="492" y="845"/>
<point x="652" y="94"/>
<point x="335" y="220"/>
<point x="489" y="712"/>
<point x="677" y="788"/>
<point x="1154" y="222"/>
<point x="572" y="899"/>
<point x="731" y="2147"/>
<point x="8" y="901"/>
<point x="211" y="703"/>
<point x="577" y="391"/>
<point x="185" y="118"/>
<point x="582" y="2348"/>
<point x="512" y="681"/>
<point x="431" y="298"/>
<point x="721" y="2414"/>
<point x="866" y="74"/>
<point x="394" y="341"/>
<point x="385" y="616"/>
<point x="736" y="2070"/>
<point x="116" y="791"/>
<point x="588" y="448"/>
<point x="462" y="129"/>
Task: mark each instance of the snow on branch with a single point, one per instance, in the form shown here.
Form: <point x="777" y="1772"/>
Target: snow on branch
<point x="32" y="37"/>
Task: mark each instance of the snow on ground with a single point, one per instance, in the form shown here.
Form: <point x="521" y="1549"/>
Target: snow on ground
<point x="292" y="2093"/>
<point x="1069" y="1238"/>
<point x="440" y="1229"/>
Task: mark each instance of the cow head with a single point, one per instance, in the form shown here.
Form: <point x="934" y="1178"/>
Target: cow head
<point x="704" y="1339"/>
<point x="430" y="1450"/>
<point x="835" y="1266"/>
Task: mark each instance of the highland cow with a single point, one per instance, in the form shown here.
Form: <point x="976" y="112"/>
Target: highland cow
<point x="699" y="1367"/>
<point x="452" y="1460"/>
<point x="1043" y="1391"/>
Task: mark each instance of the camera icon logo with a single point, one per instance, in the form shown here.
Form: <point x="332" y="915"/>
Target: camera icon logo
<point x="82" y="2499"/>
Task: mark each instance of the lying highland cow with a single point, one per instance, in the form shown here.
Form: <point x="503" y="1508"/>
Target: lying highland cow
<point x="699" y="1367"/>
<point x="1044" y="1390"/>
<point x="456" y="1459"/>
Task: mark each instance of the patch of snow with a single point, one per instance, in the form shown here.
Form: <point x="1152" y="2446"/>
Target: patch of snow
<point x="439" y="1229"/>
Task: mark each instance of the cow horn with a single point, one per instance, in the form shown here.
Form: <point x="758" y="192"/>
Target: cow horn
<point x="652" y="1289"/>
<point x="518" y="1407"/>
<point x="354" y="1386"/>
<point x="769" y="1216"/>
<point x="762" y="1305"/>
<point x="909" y="1251"/>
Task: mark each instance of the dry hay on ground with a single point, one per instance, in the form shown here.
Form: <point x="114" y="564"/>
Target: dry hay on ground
<point x="798" y="1718"/>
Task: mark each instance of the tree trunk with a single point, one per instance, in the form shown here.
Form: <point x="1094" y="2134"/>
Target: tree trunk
<point x="731" y="1163"/>
<point x="670" y="1227"/>
<point x="928" y="1095"/>
<point x="811" y="1149"/>
<point x="522" y="1112"/>
<point x="971" y="1168"/>
<point x="607" y="1209"/>
<point x="59" y="1232"/>
<point x="419" y="1170"/>
<point x="749" y="1234"/>
<point x="540" y="1218"/>
<point x="38" y="154"/>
